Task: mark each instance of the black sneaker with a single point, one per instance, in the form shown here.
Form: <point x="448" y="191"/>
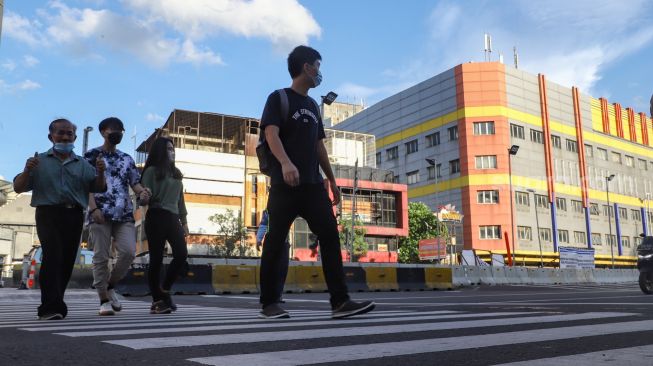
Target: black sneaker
<point x="51" y="316"/>
<point x="168" y="299"/>
<point x="351" y="308"/>
<point x="273" y="311"/>
<point x="160" y="307"/>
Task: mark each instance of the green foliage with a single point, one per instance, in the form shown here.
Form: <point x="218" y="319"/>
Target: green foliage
<point x="231" y="234"/>
<point x="360" y="246"/>
<point x="422" y="224"/>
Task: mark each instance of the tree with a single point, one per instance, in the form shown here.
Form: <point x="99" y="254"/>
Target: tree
<point x="422" y="224"/>
<point x="360" y="245"/>
<point x="231" y="234"/>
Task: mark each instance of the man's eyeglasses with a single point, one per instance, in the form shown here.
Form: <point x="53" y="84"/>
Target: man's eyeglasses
<point x="64" y="133"/>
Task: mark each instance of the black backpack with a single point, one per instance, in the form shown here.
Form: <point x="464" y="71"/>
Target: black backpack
<point x="265" y="157"/>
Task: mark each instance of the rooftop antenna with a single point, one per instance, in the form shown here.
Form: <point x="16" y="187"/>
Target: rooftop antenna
<point x="515" y="57"/>
<point x="488" y="47"/>
<point x="134" y="138"/>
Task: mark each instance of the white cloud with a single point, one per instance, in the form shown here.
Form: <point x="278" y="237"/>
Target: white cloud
<point x="153" y="117"/>
<point x="190" y="54"/>
<point x="9" y="65"/>
<point x="285" y="23"/>
<point x="571" y="42"/>
<point x="25" y="85"/>
<point x="30" y="61"/>
<point x="23" y="29"/>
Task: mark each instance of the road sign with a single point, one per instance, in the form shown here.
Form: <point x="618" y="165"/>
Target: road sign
<point x="429" y="248"/>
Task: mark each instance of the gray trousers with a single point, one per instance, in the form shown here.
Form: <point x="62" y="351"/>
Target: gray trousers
<point x="124" y="239"/>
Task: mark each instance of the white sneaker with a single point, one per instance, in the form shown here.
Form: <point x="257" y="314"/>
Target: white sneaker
<point x="106" y="309"/>
<point x="113" y="299"/>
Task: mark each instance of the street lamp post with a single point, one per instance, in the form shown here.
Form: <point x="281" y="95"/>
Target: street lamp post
<point x="537" y="224"/>
<point x="432" y="162"/>
<point x="87" y="129"/>
<point x="607" y="191"/>
<point x="512" y="151"/>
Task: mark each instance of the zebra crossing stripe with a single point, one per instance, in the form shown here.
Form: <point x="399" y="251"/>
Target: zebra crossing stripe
<point x="402" y="348"/>
<point x="286" y="324"/>
<point x="205" y="340"/>
<point x="246" y="318"/>
<point x="632" y="356"/>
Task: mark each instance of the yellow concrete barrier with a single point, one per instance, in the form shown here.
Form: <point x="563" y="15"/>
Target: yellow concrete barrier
<point x="438" y="278"/>
<point x="232" y="278"/>
<point x="309" y="278"/>
<point x="381" y="278"/>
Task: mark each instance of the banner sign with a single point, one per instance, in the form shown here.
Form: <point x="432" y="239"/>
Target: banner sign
<point x="429" y="248"/>
<point x="448" y="213"/>
<point x="576" y="257"/>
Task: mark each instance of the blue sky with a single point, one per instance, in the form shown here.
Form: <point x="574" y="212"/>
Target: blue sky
<point x="140" y="59"/>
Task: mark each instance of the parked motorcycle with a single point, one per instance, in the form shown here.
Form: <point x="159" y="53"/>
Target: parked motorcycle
<point x="645" y="265"/>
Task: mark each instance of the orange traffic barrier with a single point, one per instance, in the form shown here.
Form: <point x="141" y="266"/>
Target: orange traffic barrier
<point x="30" y="277"/>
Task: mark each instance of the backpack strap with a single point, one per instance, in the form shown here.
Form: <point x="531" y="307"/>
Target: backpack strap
<point x="284" y="105"/>
<point x="317" y="107"/>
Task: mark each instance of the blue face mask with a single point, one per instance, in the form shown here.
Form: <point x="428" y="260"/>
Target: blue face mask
<point x="64" y="147"/>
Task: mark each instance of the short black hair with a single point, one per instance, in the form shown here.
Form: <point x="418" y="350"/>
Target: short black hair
<point x="113" y="122"/>
<point x="60" y="120"/>
<point x="298" y="57"/>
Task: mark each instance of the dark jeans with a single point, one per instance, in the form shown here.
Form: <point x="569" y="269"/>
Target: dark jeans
<point x="283" y="268"/>
<point x="313" y="204"/>
<point x="59" y="229"/>
<point x="161" y="226"/>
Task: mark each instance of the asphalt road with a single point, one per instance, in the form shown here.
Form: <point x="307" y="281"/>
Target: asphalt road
<point x="501" y="325"/>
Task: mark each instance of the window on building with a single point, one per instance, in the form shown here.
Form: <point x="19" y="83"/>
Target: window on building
<point x="431" y="171"/>
<point x="454" y="166"/>
<point x="254" y="186"/>
<point x="396" y="179"/>
<point x="392" y="153"/>
<point x="490" y="232"/>
<point x="623" y="213"/>
<point x="412" y="177"/>
<point x="641" y="164"/>
<point x="545" y="234"/>
<point x="484" y="128"/>
<point x="486" y="162"/>
<point x="521" y="199"/>
<point x="537" y="136"/>
<point x="577" y="206"/>
<point x="524" y="233"/>
<point x="572" y="146"/>
<point x="625" y="241"/>
<point x="608" y="210"/>
<point x="517" y="131"/>
<point x="486" y="197"/>
<point x="378" y="158"/>
<point x="453" y="133"/>
<point x="630" y="161"/>
<point x="611" y="239"/>
<point x="563" y="236"/>
<point x="594" y="209"/>
<point x="636" y="215"/>
<point x="438" y="170"/>
<point x="433" y="139"/>
<point x="411" y="147"/>
<point x="561" y="204"/>
<point x="589" y="151"/>
<point x="579" y="238"/>
<point x="596" y="239"/>
<point x="603" y="153"/>
<point x="616" y="157"/>
<point x="541" y="201"/>
<point x="555" y="141"/>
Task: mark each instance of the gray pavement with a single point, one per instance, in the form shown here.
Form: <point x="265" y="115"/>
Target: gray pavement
<point x="500" y="325"/>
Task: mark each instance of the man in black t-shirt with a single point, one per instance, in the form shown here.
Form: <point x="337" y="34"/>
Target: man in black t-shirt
<point x="294" y="132"/>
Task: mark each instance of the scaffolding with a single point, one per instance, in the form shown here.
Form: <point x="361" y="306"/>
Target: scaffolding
<point x="207" y="132"/>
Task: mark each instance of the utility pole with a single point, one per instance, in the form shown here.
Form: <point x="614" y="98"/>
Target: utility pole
<point x="353" y="212"/>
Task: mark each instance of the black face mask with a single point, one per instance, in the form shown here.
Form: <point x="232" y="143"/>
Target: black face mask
<point x="114" y="138"/>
